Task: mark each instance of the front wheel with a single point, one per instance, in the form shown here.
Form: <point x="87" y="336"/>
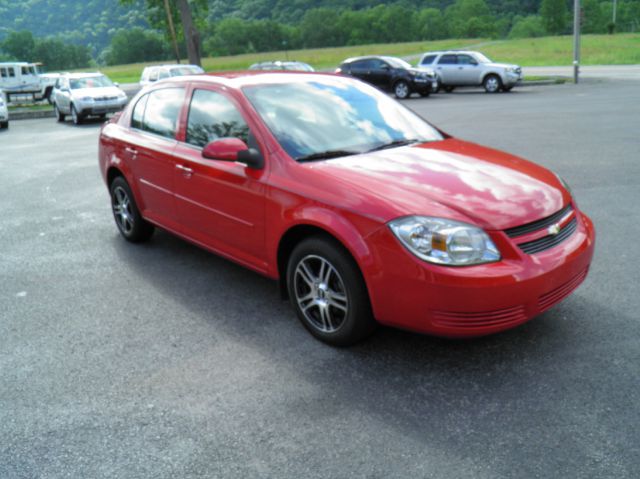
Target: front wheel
<point x="328" y="292"/>
<point x="4" y="124"/>
<point x="59" y="115"/>
<point x="401" y="90"/>
<point x="75" y="116"/>
<point x="129" y="221"/>
<point x="492" y="83"/>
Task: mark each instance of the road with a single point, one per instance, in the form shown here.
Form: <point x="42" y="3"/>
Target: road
<point x="164" y="361"/>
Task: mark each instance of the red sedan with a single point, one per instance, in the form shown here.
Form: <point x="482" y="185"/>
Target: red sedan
<point x="364" y="211"/>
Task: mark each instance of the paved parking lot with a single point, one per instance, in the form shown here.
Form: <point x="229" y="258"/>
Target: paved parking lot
<point x="163" y="361"/>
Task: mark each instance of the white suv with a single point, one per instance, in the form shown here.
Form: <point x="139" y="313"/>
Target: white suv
<point x="4" y="112"/>
<point x="458" y="68"/>
<point x="159" y="72"/>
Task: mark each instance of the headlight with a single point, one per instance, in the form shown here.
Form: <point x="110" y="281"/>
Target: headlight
<point x="443" y="241"/>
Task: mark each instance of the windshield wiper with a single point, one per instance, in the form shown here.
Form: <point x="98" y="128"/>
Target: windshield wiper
<point x="325" y="155"/>
<point x="394" y="143"/>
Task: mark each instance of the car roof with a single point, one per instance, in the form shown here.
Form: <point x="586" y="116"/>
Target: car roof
<point x="465" y="52"/>
<point x="82" y="75"/>
<point x="239" y="79"/>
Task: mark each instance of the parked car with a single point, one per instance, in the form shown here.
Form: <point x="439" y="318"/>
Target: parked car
<point x="86" y="94"/>
<point x="4" y="112"/>
<point x="47" y="83"/>
<point x="19" y="79"/>
<point x="359" y="207"/>
<point x="152" y="74"/>
<point x="390" y="74"/>
<point x="280" y="65"/>
<point x="458" y="68"/>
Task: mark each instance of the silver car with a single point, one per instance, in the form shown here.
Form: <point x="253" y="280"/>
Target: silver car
<point x="152" y="74"/>
<point x="86" y="94"/>
<point x="466" y="68"/>
<point x="4" y="112"/>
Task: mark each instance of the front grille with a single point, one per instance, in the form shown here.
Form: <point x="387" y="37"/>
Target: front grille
<point x="106" y="98"/>
<point x="498" y="317"/>
<point x="540" y="224"/>
<point x="553" y="297"/>
<point x="549" y="241"/>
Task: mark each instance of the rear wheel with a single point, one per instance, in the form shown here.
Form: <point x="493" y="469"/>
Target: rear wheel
<point x="492" y="83"/>
<point x="328" y="292"/>
<point x="129" y="221"/>
<point x="448" y="88"/>
<point x="401" y="90"/>
<point x="506" y="89"/>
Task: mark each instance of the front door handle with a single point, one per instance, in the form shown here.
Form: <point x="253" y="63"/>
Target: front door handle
<point x="133" y="151"/>
<point x="186" y="171"/>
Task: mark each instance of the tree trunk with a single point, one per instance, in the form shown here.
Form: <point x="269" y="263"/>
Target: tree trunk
<point x="191" y="35"/>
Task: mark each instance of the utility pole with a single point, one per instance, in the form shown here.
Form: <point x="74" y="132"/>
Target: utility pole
<point x="172" y="30"/>
<point x="615" y="4"/>
<point x="576" y="40"/>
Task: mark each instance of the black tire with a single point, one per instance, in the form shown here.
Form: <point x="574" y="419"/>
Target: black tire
<point x="492" y="83"/>
<point x="425" y="94"/>
<point x="401" y="90"/>
<point x="438" y="87"/>
<point x="59" y="115"/>
<point x="75" y="116"/>
<point x="448" y="88"/>
<point x="506" y="89"/>
<point x="132" y="226"/>
<point x="338" y="310"/>
<point x="4" y="124"/>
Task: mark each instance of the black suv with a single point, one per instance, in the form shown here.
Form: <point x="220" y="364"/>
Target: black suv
<point x="391" y="74"/>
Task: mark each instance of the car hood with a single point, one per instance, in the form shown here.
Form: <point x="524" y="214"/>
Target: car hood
<point x="449" y="178"/>
<point x="500" y="65"/>
<point x="98" y="92"/>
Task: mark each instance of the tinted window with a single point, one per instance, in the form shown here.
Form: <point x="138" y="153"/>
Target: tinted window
<point x="377" y="64"/>
<point x="212" y="116"/>
<point x="138" y="112"/>
<point x="361" y="65"/>
<point x="466" y="60"/>
<point x="12" y="72"/>
<point x="162" y="110"/>
<point x="447" y="60"/>
<point x="3" y="72"/>
<point x="428" y="60"/>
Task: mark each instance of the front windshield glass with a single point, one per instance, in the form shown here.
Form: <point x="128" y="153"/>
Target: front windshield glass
<point x="181" y="71"/>
<point x="397" y="62"/>
<point x="482" y="58"/>
<point x="89" y="82"/>
<point x="335" y="115"/>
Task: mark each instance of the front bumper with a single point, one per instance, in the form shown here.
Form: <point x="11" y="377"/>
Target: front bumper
<point x="475" y="300"/>
<point x="4" y="115"/>
<point x="101" y="107"/>
<point x="424" y="84"/>
<point x="511" y="78"/>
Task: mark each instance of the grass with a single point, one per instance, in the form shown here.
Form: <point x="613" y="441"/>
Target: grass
<point x="620" y="49"/>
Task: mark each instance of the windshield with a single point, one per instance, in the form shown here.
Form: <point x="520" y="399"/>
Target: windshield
<point x="181" y="71"/>
<point x="397" y="62"/>
<point x="335" y="115"/>
<point x="89" y="82"/>
<point x="482" y="58"/>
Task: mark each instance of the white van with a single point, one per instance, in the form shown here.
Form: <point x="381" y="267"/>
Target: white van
<point x="4" y="113"/>
<point x="19" y="79"/>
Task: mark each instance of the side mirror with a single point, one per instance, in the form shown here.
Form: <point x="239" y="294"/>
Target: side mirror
<point x="233" y="149"/>
<point x="116" y="84"/>
<point x="474" y="63"/>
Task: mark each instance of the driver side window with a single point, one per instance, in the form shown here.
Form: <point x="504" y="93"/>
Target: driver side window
<point x="213" y="116"/>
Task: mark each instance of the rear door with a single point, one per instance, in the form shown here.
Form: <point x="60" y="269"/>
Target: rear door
<point x="380" y="73"/>
<point x="148" y="148"/>
<point x="220" y="204"/>
<point x="446" y="69"/>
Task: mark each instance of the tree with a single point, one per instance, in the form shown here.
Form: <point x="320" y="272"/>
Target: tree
<point x="19" y="45"/>
<point x="526" y="27"/>
<point x="182" y="10"/>
<point x="319" y="28"/>
<point x="135" y="45"/>
<point x="554" y="15"/>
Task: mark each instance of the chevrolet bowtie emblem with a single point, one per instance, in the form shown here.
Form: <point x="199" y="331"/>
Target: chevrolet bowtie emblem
<point x="553" y="229"/>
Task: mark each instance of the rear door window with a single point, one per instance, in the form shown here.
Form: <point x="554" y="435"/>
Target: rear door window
<point x="447" y="60"/>
<point x="428" y="60"/>
<point x="162" y="111"/>
<point x="213" y="116"/>
<point x="138" y="112"/>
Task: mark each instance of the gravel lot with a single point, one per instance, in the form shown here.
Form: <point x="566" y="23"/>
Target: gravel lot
<point x="164" y="361"/>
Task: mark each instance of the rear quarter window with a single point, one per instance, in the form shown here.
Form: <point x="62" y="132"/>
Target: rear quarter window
<point x="428" y="60"/>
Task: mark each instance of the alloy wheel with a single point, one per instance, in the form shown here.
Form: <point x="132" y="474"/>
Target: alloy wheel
<point x="121" y="205"/>
<point x="320" y="293"/>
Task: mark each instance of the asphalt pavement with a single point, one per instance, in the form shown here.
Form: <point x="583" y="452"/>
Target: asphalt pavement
<point x="164" y="361"/>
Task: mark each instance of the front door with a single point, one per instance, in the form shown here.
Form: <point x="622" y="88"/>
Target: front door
<point x="219" y="203"/>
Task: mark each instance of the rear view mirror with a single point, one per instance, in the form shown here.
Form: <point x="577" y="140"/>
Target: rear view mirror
<point x="233" y="149"/>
